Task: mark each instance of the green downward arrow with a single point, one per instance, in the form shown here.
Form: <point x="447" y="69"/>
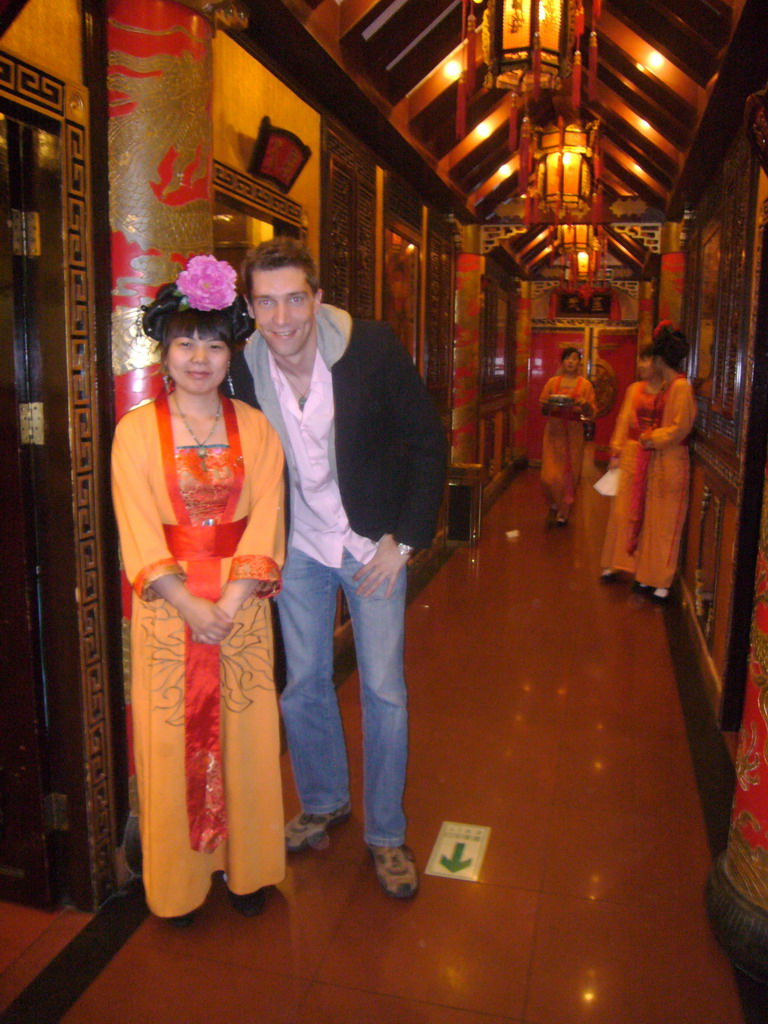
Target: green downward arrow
<point x="456" y="863"/>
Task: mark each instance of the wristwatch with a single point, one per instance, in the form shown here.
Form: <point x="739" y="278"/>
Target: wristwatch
<point x="404" y="550"/>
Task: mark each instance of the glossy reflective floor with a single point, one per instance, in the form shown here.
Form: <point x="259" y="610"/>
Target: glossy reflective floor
<point x="544" y="706"/>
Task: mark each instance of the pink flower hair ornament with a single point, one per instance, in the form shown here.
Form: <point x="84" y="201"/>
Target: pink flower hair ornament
<point x="206" y="283"/>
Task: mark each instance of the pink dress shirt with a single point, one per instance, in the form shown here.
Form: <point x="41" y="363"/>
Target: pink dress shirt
<point x="320" y="525"/>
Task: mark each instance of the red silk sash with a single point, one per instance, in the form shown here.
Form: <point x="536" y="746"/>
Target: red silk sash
<point x="202" y="548"/>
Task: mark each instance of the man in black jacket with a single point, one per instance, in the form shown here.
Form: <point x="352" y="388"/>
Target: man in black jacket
<point x="366" y="458"/>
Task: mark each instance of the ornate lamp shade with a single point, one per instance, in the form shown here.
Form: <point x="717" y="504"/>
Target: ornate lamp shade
<point x="577" y="238"/>
<point x="526" y="40"/>
<point x="564" y="168"/>
<point x="581" y="246"/>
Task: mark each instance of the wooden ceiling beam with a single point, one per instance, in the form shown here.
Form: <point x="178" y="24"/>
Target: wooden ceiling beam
<point x="680" y="135"/>
<point x="650" y="20"/>
<point x="356" y="15"/>
<point x="397" y="34"/>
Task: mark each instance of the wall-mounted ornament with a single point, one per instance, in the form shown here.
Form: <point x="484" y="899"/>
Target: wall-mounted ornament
<point x="278" y="155"/>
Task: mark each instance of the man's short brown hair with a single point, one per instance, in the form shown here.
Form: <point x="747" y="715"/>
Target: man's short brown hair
<point x="281" y="251"/>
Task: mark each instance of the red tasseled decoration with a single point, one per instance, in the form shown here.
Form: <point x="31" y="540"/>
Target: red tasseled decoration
<point x="513" y="114"/>
<point x="592" y="80"/>
<point x="527" y="215"/>
<point x="597" y="167"/>
<point x="580" y="21"/>
<point x="596" y="9"/>
<point x="536" y="67"/>
<point x="598" y="255"/>
<point x="534" y="208"/>
<point x="461" y="110"/>
<point x="553" y="302"/>
<point x="471" y="60"/>
<point x="525" y="154"/>
<point x="576" y="80"/>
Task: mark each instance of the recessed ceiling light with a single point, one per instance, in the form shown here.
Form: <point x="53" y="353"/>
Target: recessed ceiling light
<point x="505" y="170"/>
<point x="452" y="70"/>
<point x="655" y="59"/>
<point x="483" y="130"/>
<point x="643" y="123"/>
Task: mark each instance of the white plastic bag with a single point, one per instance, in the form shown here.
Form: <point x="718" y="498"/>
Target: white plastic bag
<point x="608" y="484"/>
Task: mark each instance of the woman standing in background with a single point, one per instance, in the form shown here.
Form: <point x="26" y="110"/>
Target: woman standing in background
<point x="666" y="502"/>
<point x="566" y="399"/>
<point x="640" y="412"/>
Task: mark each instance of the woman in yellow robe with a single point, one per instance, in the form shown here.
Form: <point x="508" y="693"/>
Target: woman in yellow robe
<point x="666" y="502"/>
<point x="640" y="411"/>
<point x="202" y="540"/>
<point x="563" y="449"/>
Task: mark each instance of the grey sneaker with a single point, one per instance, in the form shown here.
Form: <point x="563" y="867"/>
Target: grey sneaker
<point x="307" y="830"/>
<point x="396" y="870"/>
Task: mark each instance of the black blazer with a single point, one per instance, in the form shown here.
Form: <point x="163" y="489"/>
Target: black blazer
<point x="390" y="446"/>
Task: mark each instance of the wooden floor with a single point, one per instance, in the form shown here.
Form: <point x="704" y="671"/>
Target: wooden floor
<point x="544" y="706"/>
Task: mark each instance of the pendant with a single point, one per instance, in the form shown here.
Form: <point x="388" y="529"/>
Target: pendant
<point x="201" y="453"/>
<point x="302" y="402"/>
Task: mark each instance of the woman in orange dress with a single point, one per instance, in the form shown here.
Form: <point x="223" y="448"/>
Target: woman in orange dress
<point x="563" y="449"/>
<point x="640" y="411"/>
<point x="666" y="502"/>
<point x="198" y="494"/>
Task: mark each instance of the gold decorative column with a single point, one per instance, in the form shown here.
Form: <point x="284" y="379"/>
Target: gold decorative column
<point x="672" y="275"/>
<point x="160" y="161"/>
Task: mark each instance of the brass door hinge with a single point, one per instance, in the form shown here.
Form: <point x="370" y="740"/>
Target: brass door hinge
<point x="32" y="423"/>
<point x="56" y="812"/>
<point x="26" y="232"/>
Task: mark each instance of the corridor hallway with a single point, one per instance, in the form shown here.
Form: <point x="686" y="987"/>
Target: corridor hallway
<point x="544" y="706"/>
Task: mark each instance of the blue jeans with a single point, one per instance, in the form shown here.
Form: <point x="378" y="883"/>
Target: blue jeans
<point x="307" y="607"/>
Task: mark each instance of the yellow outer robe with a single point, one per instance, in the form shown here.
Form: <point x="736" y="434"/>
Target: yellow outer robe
<point x="615" y="554"/>
<point x="666" y="502"/>
<point x="176" y="877"/>
<point x="563" y="445"/>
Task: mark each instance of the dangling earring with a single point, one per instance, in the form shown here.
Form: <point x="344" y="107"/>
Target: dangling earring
<point x="229" y="382"/>
<point x="168" y="382"/>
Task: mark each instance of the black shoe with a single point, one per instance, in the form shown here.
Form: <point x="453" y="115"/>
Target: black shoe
<point x="609" y="576"/>
<point x="641" y="588"/>
<point x="183" y="920"/>
<point x="250" y="904"/>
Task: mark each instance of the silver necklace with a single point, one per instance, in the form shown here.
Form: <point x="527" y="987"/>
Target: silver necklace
<point x="201" y="449"/>
<point x="301" y="398"/>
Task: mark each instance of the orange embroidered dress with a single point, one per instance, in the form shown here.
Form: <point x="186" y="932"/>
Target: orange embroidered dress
<point x="640" y="411"/>
<point x="666" y="502"/>
<point x="563" y="449"/>
<point x="205" y="720"/>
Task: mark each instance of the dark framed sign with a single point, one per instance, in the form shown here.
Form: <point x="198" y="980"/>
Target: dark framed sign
<point x="585" y="303"/>
<point x="278" y="155"/>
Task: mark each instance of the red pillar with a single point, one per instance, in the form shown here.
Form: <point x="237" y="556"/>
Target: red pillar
<point x="160" y="159"/>
<point x="737" y="893"/>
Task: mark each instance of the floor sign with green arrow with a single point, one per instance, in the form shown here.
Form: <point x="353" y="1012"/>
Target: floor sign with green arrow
<point x="458" y="851"/>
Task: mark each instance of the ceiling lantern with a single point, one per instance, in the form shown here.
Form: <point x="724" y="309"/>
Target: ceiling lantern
<point x="564" y="168"/>
<point x="526" y="43"/>
<point x="577" y="238"/>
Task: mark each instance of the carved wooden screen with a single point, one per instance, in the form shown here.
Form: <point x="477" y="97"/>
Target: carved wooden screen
<point x="438" y="327"/>
<point x="347" y="257"/>
<point x="716" y="317"/>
